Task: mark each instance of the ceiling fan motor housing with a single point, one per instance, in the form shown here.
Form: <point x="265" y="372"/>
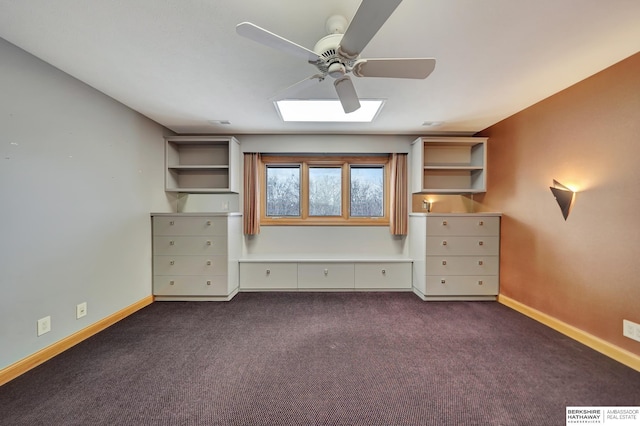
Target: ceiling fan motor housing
<point x="333" y="63"/>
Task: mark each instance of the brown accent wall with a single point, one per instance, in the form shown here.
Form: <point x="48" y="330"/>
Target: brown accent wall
<point x="584" y="271"/>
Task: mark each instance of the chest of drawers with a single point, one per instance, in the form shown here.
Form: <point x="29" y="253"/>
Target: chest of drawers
<point x="456" y="257"/>
<point x="195" y="256"/>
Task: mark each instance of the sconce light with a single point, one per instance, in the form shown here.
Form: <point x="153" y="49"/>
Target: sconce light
<point x="426" y="204"/>
<point x="564" y="196"/>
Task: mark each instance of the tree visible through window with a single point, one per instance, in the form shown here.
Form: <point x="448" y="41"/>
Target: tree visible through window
<point x="324" y="190"/>
<point x="283" y="191"/>
<point x="367" y="191"/>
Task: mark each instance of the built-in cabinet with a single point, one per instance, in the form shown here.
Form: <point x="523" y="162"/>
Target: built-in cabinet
<point x="448" y="165"/>
<point x="195" y="256"/>
<point x="202" y="164"/>
<point x="455" y="256"/>
<point x="322" y="274"/>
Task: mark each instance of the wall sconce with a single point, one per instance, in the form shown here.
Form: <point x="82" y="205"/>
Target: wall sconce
<point x="564" y="196"/>
<point x="426" y="205"/>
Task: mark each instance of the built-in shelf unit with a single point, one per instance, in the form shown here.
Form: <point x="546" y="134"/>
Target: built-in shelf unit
<point x="448" y="165"/>
<point x="202" y="164"/>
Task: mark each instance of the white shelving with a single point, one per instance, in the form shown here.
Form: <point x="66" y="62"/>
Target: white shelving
<point x="448" y="165"/>
<point x="202" y="164"/>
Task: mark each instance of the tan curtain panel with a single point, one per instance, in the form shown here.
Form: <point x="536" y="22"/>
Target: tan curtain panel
<point x="251" y="193"/>
<point x="398" y="209"/>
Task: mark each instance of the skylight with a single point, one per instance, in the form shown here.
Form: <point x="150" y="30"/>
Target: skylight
<point x="326" y="110"/>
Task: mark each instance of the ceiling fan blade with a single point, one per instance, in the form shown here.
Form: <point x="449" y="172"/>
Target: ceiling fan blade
<point x="298" y="87"/>
<point x="369" y="17"/>
<point x="347" y="94"/>
<point x="262" y="36"/>
<point x="395" y="68"/>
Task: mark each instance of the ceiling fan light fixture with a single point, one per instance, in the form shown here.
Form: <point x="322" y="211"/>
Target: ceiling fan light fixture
<point x="326" y="111"/>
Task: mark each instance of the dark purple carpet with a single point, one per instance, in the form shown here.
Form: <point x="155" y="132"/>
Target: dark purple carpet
<point x="319" y="359"/>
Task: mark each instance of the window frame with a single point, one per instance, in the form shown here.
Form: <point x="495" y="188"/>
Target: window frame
<point x="307" y="161"/>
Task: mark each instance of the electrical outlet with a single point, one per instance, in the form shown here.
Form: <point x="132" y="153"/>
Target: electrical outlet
<point x="81" y="310"/>
<point x="44" y="325"/>
<point x="631" y="330"/>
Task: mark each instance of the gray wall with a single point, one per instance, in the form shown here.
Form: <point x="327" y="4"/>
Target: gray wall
<point x="79" y="174"/>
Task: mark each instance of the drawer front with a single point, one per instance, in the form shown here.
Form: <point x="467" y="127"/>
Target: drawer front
<point x="468" y="225"/>
<point x="273" y="276"/>
<point x="189" y="225"/>
<point x="462" y="285"/>
<point x="462" y="265"/>
<point x="383" y="275"/>
<point x="460" y="246"/>
<point x="325" y="275"/>
<point x="212" y="285"/>
<point x="189" y="265"/>
<point x="209" y="245"/>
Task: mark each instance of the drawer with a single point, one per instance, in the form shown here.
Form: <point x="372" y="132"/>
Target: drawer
<point x="213" y="285"/>
<point x="467" y="285"/>
<point x="273" y="276"/>
<point x="189" y="225"/>
<point x="383" y="275"/>
<point x="463" y="225"/>
<point x="325" y="275"/>
<point x="460" y="246"/>
<point x="209" y="245"/>
<point x="462" y="265"/>
<point x="189" y="265"/>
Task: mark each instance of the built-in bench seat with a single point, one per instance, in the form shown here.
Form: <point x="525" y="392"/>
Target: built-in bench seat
<point x="313" y="273"/>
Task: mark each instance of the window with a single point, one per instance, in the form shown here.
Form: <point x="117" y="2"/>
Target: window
<point x="367" y="191"/>
<point x="324" y="190"/>
<point x="283" y="191"/>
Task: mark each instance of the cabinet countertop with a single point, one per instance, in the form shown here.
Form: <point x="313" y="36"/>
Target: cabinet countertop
<point x="418" y="214"/>
<point x="199" y="214"/>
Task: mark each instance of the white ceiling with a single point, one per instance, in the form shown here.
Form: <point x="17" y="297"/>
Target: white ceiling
<point x="181" y="63"/>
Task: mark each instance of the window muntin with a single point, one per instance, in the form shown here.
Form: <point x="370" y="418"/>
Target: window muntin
<point x="358" y="197"/>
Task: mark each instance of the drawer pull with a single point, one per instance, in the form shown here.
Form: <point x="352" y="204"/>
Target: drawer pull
<point x="444" y="243"/>
<point x="208" y="282"/>
<point x="173" y="262"/>
<point x="480" y="262"/>
<point x="480" y="282"/>
<point x="171" y="223"/>
<point x="444" y="223"/>
<point x="326" y="272"/>
<point x="208" y="263"/>
<point x="444" y="262"/>
<point x="384" y="272"/>
<point x="268" y="272"/>
<point x="208" y="223"/>
<point x="443" y="281"/>
<point x="172" y="282"/>
<point x="480" y="243"/>
<point x="171" y="243"/>
<point x="208" y="243"/>
<point x="481" y="223"/>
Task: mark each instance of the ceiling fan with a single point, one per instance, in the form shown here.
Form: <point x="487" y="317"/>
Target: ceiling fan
<point x="338" y="54"/>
